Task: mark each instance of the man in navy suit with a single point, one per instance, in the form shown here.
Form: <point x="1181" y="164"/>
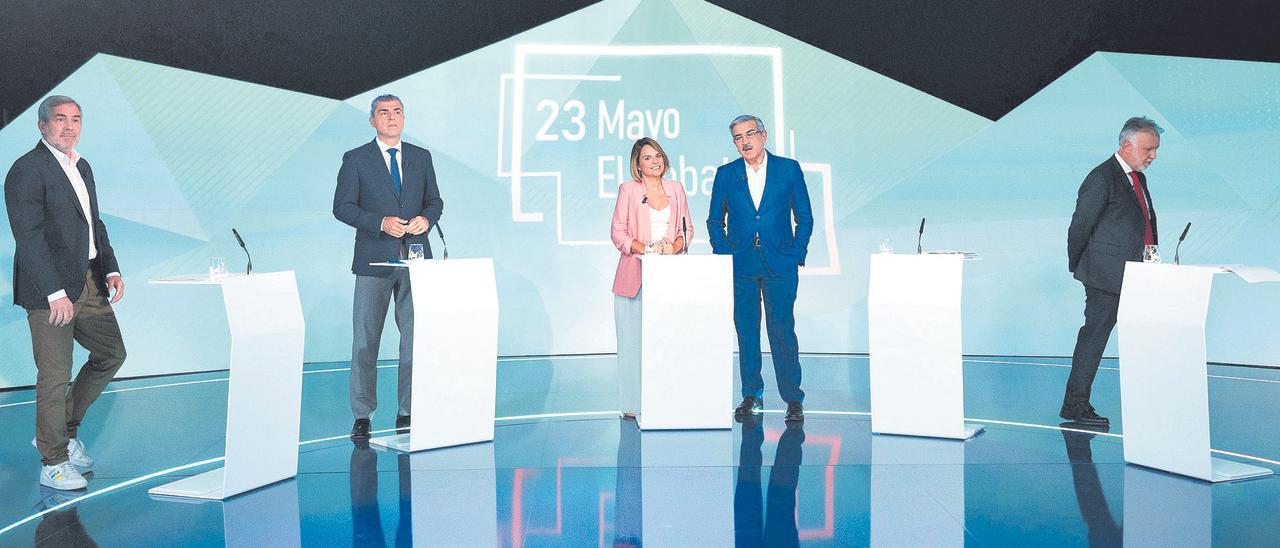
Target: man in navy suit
<point x="387" y="192"/>
<point x="760" y="194"/>
<point x="1114" y="219"/>
<point x="64" y="269"/>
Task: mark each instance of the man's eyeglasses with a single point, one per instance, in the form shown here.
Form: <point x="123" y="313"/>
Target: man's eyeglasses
<point x="750" y="134"/>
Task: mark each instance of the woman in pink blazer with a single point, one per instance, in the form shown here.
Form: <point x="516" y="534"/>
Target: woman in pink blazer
<point x="651" y="216"/>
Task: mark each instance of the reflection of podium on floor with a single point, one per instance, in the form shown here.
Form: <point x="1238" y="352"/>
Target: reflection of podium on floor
<point x="1166" y="510"/>
<point x="686" y="378"/>
<point x="265" y="380"/>
<point x="1164" y="386"/>
<point x="455" y="354"/>
<point x="917" y="376"/>
<point x="686" y="487"/>
<point x="917" y="491"/>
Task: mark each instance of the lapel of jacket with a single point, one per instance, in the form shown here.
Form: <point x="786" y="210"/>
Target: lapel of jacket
<point x="744" y="189"/>
<point x="385" y="174"/>
<point x="772" y="181"/>
<point x="60" y="175"/>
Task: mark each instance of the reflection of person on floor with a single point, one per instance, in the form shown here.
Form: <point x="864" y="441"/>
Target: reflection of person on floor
<point x="1103" y="530"/>
<point x="628" y="501"/>
<point x="366" y="518"/>
<point x="776" y="525"/>
<point x="61" y="528"/>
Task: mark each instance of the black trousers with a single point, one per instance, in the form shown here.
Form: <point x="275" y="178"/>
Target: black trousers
<point x="1100" y="309"/>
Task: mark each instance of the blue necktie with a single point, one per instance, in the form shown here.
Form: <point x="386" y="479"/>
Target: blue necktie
<point x="395" y="170"/>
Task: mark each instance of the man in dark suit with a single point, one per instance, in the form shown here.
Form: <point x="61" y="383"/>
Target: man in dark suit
<point x="64" y="270"/>
<point x="1113" y="221"/>
<point x="759" y="194"/>
<point x="387" y="192"/>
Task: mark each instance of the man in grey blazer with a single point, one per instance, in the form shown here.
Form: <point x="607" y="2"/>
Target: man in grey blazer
<point x="387" y="192"/>
<point x="1113" y="221"/>
<point x="64" y="269"/>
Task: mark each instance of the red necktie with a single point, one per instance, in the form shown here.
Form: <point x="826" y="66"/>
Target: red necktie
<point x="1147" y="239"/>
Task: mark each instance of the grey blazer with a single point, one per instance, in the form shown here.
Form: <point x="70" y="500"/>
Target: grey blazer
<point x="1107" y="227"/>
<point x="365" y="195"/>
<point x="51" y="230"/>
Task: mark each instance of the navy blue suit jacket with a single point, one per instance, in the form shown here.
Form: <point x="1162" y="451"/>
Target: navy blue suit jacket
<point x="365" y="195"/>
<point x="51" y="230"/>
<point x="785" y="195"/>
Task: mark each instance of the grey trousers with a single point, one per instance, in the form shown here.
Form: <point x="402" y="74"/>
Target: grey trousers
<point x="60" y="409"/>
<point x="627" y="315"/>
<point x="369" y="312"/>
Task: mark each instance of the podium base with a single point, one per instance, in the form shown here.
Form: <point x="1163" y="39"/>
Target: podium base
<point x="1227" y="470"/>
<point x="206" y="486"/>
<point x="398" y="442"/>
<point x="967" y="433"/>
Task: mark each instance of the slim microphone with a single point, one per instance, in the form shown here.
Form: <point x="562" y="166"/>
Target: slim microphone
<point x="920" y="238"/>
<point x="443" y="244"/>
<point x="684" y="232"/>
<point x="248" y="269"/>
<point x="1179" y="247"/>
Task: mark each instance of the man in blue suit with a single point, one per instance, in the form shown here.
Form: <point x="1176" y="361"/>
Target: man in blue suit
<point x="760" y="194"/>
<point x="387" y="192"/>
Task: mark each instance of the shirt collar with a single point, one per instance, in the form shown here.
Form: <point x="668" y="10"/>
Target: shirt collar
<point x="399" y="146"/>
<point x="1124" y="166"/>
<point x="66" y="159"/>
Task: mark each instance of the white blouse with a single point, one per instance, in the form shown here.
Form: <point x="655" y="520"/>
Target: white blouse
<point x="659" y="221"/>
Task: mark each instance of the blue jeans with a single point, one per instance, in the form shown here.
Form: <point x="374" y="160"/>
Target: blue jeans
<point x="753" y="284"/>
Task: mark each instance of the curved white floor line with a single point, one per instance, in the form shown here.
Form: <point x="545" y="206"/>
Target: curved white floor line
<point x="189" y="466"/>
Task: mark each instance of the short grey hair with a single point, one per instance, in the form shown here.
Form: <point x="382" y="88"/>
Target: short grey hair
<point x="746" y="118"/>
<point x="52" y="101"/>
<point x="382" y="99"/>
<point x="1137" y="124"/>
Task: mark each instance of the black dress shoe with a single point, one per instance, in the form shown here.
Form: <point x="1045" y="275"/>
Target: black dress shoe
<point x="360" y="430"/>
<point x="402" y="424"/>
<point x="749" y="406"/>
<point x="1084" y="414"/>
<point x="795" y="411"/>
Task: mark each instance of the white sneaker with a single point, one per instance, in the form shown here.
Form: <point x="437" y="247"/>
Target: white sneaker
<point x="62" y="476"/>
<point x="75" y="453"/>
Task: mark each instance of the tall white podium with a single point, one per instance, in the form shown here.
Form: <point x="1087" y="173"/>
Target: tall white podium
<point x="686" y="367"/>
<point x="917" y="380"/>
<point x="1164" y="385"/>
<point x="267" y="334"/>
<point x="455" y="354"/>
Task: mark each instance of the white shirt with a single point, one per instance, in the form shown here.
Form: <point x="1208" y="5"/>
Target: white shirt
<point x="755" y="179"/>
<point x="1127" y="169"/>
<point x="68" y="165"/>
<point x="659" y="222"/>
<point x="386" y="158"/>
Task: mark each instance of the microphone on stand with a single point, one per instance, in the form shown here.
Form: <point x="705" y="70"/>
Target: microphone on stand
<point x="443" y="244"/>
<point x="248" y="269"/>
<point x="1179" y="246"/>
<point x="684" y="232"/>
<point x="920" y="238"/>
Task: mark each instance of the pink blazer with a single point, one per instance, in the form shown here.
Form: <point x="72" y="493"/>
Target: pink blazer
<point x="631" y="223"/>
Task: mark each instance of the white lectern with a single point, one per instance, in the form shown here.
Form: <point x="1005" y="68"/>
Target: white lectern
<point x="686" y="367"/>
<point x="917" y="380"/>
<point x="267" y="334"/>
<point x="455" y="354"/>
<point x="1164" y="385"/>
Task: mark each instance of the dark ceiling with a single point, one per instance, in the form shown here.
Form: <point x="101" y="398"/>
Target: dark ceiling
<point x="986" y="56"/>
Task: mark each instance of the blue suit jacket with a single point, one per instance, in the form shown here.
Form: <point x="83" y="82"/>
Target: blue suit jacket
<point x="365" y="195"/>
<point x="785" y="194"/>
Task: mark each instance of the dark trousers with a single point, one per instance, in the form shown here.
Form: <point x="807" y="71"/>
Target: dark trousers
<point x="59" y="407"/>
<point x="1100" y="309"/>
<point x="753" y="285"/>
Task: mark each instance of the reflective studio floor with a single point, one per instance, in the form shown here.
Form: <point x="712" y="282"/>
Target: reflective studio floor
<point x="564" y="470"/>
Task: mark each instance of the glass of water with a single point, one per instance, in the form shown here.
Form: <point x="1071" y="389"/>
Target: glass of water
<point x="217" y="269"/>
<point x="886" y="246"/>
<point x="1150" y="254"/>
<point x="416" y="252"/>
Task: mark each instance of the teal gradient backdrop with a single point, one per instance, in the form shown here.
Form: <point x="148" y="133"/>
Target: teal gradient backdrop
<point x="530" y="138"/>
